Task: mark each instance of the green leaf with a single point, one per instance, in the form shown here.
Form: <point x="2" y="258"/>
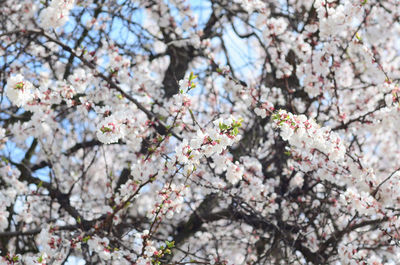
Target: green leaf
<point x="235" y="131"/>
<point x="105" y="129"/>
<point x="223" y="127"/>
<point x="275" y="116"/>
<point x="170" y="244"/>
<point x="19" y="85"/>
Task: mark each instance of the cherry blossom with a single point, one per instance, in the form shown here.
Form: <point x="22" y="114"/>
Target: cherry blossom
<point x="19" y="91"/>
<point x="199" y="132"/>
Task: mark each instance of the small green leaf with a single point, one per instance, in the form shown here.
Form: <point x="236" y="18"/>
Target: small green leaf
<point x="19" y="85"/>
<point x="275" y="116"/>
<point x="235" y="131"/>
<point x="105" y="129"/>
<point x="170" y="244"/>
<point x="192" y="76"/>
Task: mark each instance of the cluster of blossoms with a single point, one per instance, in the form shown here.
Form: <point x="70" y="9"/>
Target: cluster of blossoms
<point x="100" y="246"/>
<point x="80" y="80"/>
<point x="306" y="135"/>
<point x="56" y="14"/>
<point x="318" y="149"/>
<point x="335" y="20"/>
<point x="251" y="5"/>
<point x="169" y="202"/>
<point x="210" y="142"/>
<point x="12" y="187"/>
<point x="234" y="172"/>
<point x="116" y="126"/>
<point x="265" y="99"/>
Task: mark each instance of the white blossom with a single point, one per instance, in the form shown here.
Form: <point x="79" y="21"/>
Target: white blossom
<point x="19" y="91"/>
